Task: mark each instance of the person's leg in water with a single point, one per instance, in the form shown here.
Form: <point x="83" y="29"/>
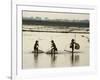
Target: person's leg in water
<point x="72" y="50"/>
<point x="52" y="51"/>
<point x="72" y="44"/>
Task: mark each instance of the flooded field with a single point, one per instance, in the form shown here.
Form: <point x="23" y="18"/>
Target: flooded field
<point x="63" y="58"/>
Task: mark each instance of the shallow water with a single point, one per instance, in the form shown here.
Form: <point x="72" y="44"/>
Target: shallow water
<point x="62" y="41"/>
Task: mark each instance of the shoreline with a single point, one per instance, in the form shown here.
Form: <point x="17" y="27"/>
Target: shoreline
<point x="55" y="31"/>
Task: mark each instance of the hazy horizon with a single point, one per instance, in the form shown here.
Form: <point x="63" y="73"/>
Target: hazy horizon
<point x="54" y="15"/>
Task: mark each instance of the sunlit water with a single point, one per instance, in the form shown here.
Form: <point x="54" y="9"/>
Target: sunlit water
<point x="62" y="41"/>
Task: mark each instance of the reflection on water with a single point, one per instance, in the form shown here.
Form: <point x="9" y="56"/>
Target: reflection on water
<point x="74" y="59"/>
<point x="36" y="60"/>
<point x="53" y="60"/>
<point x="64" y="58"/>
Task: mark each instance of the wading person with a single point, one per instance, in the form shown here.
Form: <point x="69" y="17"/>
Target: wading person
<point x="36" y="46"/>
<point x="72" y="45"/>
<point x="53" y="47"/>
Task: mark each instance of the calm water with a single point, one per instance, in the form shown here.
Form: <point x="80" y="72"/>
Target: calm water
<point x="62" y="41"/>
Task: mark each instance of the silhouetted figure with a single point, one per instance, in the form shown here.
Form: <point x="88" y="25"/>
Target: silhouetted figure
<point x="53" y="47"/>
<point x="72" y="45"/>
<point x="36" y="46"/>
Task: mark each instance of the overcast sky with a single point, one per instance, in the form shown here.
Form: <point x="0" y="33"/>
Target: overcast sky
<point x="54" y="15"/>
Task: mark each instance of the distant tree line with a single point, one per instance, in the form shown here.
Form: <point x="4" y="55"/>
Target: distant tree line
<point x="68" y="23"/>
